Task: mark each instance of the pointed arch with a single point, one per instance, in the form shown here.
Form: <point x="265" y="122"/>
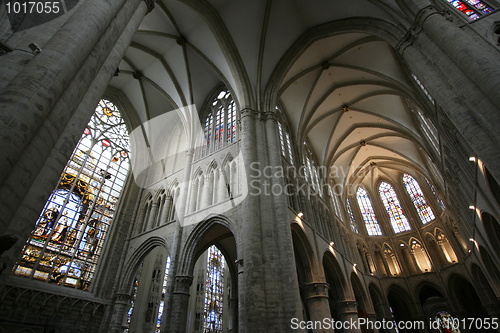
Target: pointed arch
<point x="66" y="243"/>
<point x="398" y="219"/>
<point x="369" y="217"/>
<point x="418" y="199"/>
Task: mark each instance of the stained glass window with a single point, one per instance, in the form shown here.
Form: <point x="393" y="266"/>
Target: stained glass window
<point x="289" y="145"/>
<point x="417" y="197"/>
<point x="68" y="237"/>
<point x="285" y="141"/>
<point x="282" y="142"/>
<point x="436" y="195"/>
<point x="354" y="227"/>
<point x="398" y="219"/>
<point x="221" y="130"/>
<point x="163" y="292"/>
<point x="214" y="290"/>
<point x="447" y="323"/>
<point x="132" y="302"/>
<point x="472" y="8"/>
<point x="365" y="205"/>
<point x="426" y="92"/>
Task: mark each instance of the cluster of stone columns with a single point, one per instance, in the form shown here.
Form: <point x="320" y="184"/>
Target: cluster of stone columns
<point x="48" y="104"/>
<point x="157" y="212"/>
<point x="218" y="185"/>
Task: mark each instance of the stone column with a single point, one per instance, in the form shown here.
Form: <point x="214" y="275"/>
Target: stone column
<point x="222" y="188"/>
<point x="316" y="295"/>
<point x="166" y="210"/>
<point x="140" y="221"/>
<point x="252" y="298"/>
<point x="348" y="311"/>
<point x="193" y="197"/>
<point x="207" y="191"/>
<point x="462" y="71"/>
<point x="167" y="321"/>
<point x="48" y="151"/>
<point x="39" y="102"/>
<point x="152" y="216"/>
<point x="119" y="316"/>
<point x="180" y="302"/>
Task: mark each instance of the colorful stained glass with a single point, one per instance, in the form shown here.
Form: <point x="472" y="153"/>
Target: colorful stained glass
<point x="282" y="142"/>
<point x="65" y="245"/>
<point x="354" y="227"/>
<point x="369" y="217"/>
<point x="289" y="145"/>
<point x="472" y="8"/>
<point x="398" y="219"/>
<point x="132" y="302"/>
<point x="417" y="197"/>
<point x="447" y="323"/>
<point x="164" y="291"/>
<point x="214" y="290"/>
<point x="223" y="127"/>
<point x="436" y="195"/>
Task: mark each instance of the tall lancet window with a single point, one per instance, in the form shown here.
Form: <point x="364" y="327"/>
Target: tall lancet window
<point x="436" y="195"/>
<point x="398" y="219"/>
<point x="285" y="141"/>
<point x="417" y="197"/>
<point x="214" y="291"/>
<point x="365" y="205"/>
<point x="68" y="237"/>
<point x="474" y="9"/>
<point x="354" y="227"/>
<point x="220" y="124"/>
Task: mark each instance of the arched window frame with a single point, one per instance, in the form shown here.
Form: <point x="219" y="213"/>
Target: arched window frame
<point x="436" y="195"/>
<point x="366" y="207"/>
<point x="417" y="197"/>
<point x="214" y="291"/>
<point x="352" y="220"/>
<point x="284" y="137"/>
<point x="399" y="221"/>
<point x="67" y="240"/>
<point x="311" y="172"/>
<point x="220" y="123"/>
<point x="472" y="9"/>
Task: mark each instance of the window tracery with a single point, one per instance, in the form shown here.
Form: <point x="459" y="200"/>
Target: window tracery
<point x="65" y="245"/>
<point x="436" y="195"/>
<point x="221" y="130"/>
<point x="424" y="211"/>
<point x="369" y="217"/>
<point x="399" y="222"/>
<point x="474" y="9"/>
<point x="214" y="290"/>
<point x="354" y="227"/>
<point x="284" y="136"/>
<point x="163" y="292"/>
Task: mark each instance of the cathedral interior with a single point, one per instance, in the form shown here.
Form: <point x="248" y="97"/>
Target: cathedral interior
<point x="250" y="166"/>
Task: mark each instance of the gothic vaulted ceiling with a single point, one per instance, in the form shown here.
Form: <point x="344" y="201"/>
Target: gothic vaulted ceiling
<point x="344" y="92"/>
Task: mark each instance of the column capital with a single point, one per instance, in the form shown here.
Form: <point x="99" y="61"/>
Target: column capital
<point x="347" y="307"/>
<point x="260" y="115"/>
<point x="122" y="297"/>
<point x="316" y="290"/>
<point x="182" y="284"/>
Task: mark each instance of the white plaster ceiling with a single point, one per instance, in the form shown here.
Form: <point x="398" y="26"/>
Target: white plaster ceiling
<point x="184" y="49"/>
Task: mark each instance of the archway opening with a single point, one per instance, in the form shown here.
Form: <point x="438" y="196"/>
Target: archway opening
<point x="467" y="299"/>
<point x="336" y="283"/>
<point x="213" y="301"/>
